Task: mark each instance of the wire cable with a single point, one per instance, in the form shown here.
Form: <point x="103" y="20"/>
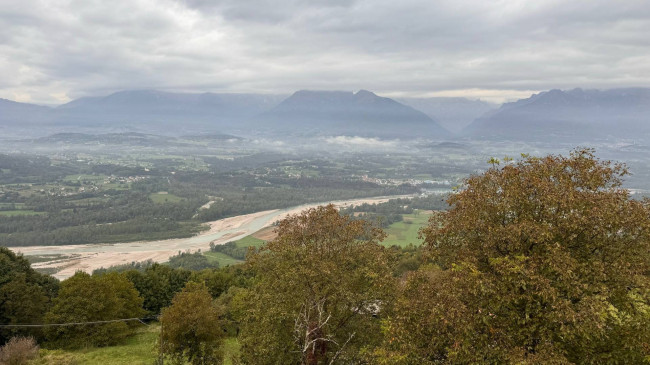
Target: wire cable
<point x="77" y="323"/>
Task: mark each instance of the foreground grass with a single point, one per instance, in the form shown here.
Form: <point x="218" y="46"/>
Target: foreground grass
<point x="406" y="232"/>
<point x="137" y="350"/>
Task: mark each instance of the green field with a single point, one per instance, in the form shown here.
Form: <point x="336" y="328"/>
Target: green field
<point x="221" y="258"/>
<point x="15" y="205"/>
<point x="10" y="213"/>
<point x="406" y="232"/>
<point x="163" y="197"/>
<point x="225" y="260"/>
<point x="250" y="241"/>
<point x="139" y="349"/>
<point x="85" y="177"/>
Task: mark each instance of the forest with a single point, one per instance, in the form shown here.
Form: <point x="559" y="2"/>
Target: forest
<point x="536" y="260"/>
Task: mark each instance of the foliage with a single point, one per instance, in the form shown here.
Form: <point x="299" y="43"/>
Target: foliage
<point x="409" y="258"/>
<point x="157" y="285"/>
<point x="231" y="249"/>
<point x="218" y="281"/>
<point x="18" y="351"/>
<point x="544" y="260"/>
<point x="191" y="329"/>
<point x="191" y="261"/>
<point x="319" y="287"/>
<point x="85" y="298"/>
<point x="25" y="295"/>
<point x="133" y="265"/>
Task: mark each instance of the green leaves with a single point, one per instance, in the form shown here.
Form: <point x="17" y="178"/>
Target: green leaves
<point x="191" y="329"/>
<point x="85" y="298"/>
<point x="321" y="284"/>
<point x="545" y="260"/>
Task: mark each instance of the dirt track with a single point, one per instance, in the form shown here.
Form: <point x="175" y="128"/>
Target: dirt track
<point x="93" y="256"/>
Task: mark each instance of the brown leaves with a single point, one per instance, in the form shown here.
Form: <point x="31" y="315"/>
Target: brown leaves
<point x="320" y="285"/>
<point x="553" y="248"/>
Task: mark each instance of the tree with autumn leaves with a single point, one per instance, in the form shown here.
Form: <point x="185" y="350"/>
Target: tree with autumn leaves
<point x="191" y="328"/>
<point x="541" y="260"/>
<point x="319" y="289"/>
<point x="544" y="260"/>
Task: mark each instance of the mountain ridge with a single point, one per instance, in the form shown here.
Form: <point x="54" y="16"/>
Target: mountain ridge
<point x="571" y="115"/>
<point x="362" y="113"/>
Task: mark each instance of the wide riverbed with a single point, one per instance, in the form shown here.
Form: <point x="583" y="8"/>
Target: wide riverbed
<point x="93" y="256"/>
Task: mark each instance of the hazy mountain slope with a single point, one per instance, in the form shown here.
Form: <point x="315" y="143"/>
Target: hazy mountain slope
<point x="14" y="113"/>
<point x="157" y="111"/>
<point x="574" y="115"/>
<point x="453" y="114"/>
<point x="346" y="113"/>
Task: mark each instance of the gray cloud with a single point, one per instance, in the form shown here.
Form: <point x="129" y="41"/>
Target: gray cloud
<point x="54" y="50"/>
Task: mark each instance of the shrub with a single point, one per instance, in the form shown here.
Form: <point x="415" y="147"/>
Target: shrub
<point x="19" y="350"/>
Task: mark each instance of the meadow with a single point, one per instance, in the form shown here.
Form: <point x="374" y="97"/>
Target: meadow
<point x="406" y="232"/>
<point x="139" y="349"/>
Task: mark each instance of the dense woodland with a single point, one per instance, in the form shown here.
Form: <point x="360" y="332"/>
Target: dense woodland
<point x="541" y="260"/>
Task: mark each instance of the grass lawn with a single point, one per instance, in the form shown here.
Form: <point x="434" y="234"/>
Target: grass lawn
<point x="163" y="197"/>
<point x="406" y="232"/>
<point x="137" y="350"/>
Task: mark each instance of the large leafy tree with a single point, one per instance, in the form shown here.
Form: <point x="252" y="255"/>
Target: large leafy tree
<point x="158" y="284"/>
<point x="85" y="298"/>
<point x="320" y="285"/>
<point x="545" y="260"/>
<point x="25" y="295"/>
<point x="191" y="328"/>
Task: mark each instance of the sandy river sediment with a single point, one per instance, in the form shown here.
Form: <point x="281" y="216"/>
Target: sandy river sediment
<point x="89" y="257"/>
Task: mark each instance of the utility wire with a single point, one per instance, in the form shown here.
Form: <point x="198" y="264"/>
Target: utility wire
<point x="76" y="323"/>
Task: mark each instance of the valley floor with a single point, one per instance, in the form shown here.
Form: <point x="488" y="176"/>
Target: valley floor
<point x="94" y="256"/>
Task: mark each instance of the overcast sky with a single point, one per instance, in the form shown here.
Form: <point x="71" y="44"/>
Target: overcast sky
<point x="57" y="50"/>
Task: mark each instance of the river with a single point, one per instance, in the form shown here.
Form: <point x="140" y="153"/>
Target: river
<point x="89" y="257"/>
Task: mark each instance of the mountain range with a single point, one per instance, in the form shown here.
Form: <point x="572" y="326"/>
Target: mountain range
<point x="303" y="113"/>
<point x="573" y="116"/>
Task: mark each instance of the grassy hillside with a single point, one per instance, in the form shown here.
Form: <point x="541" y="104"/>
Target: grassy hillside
<point x="137" y="350"/>
<point x="406" y="232"/>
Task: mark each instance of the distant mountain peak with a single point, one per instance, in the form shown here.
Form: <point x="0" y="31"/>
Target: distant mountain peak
<point x="344" y="112"/>
<point x="363" y="92"/>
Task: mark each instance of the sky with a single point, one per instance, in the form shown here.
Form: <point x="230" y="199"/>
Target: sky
<point x="497" y="50"/>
